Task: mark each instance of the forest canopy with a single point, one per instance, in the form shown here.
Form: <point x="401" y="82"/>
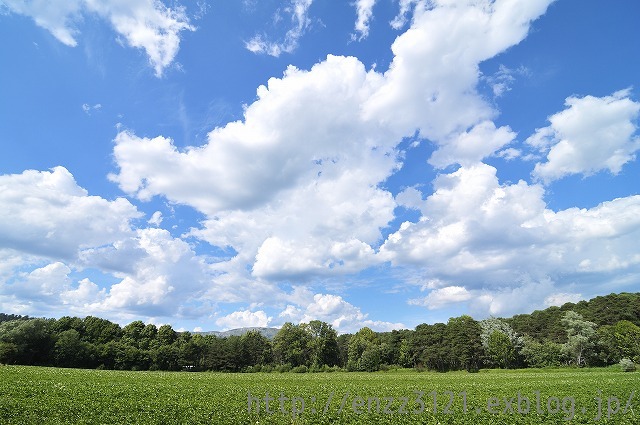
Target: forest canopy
<point x="602" y="331"/>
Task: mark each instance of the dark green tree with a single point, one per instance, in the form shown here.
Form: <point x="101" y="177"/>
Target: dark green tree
<point x="70" y="351"/>
<point x="323" y="344"/>
<point x="364" y="340"/>
<point x="100" y="331"/>
<point x="256" y="349"/>
<point x="463" y="336"/>
<point x="166" y="335"/>
<point x="291" y="345"/>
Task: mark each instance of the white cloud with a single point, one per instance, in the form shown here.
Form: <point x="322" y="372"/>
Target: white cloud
<point x="410" y="198"/>
<point x="244" y="319"/>
<point x="41" y="283"/>
<point x="46" y="213"/>
<point x="295" y="207"/>
<point x="156" y="219"/>
<point x="364" y="9"/>
<point x="481" y="234"/>
<point x="298" y="11"/>
<point x="431" y="84"/>
<point x="88" y="108"/>
<point x="295" y="187"/>
<point x="509" y="154"/>
<point x="560" y="298"/>
<point x="144" y="24"/>
<point x="524" y="294"/>
<point x="443" y="297"/>
<point x="51" y="226"/>
<point x="405" y="7"/>
<point x="503" y="79"/>
<point x="55" y="16"/>
<point x="590" y="135"/>
<point x="340" y="314"/>
<point x="473" y="146"/>
<point x="166" y="274"/>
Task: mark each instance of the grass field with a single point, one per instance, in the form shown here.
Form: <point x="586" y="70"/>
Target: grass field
<point x="32" y="395"/>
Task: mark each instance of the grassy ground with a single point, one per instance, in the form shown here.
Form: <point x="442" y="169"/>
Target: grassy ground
<point x="32" y="395"/>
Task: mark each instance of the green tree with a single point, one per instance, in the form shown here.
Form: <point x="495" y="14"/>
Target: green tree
<point x="501" y="343"/>
<point x="9" y="353"/>
<point x="429" y="347"/>
<point x="193" y="351"/>
<point x="148" y="336"/>
<point x="615" y="342"/>
<point x="580" y="336"/>
<point x="627" y="336"/>
<point x="542" y="354"/>
<point x="291" y="345"/>
<point x="256" y="349"/>
<point x="66" y="323"/>
<point x="343" y="349"/>
<point x="392" y="342"/>
<point x="370" y="359"/>
<point x="323" y="344"/>
<point x="33" y="339"/>
<point x="404" y="355"/>
<point x="166" y="335"/>
<point x="100" y="331"/>
<point x="463" y="336"/>
<point x="363" y="340"/>
<point x="70" y="351"/>
<point x="500" y="350"/>
<point x="132" y="333"/>
<point x="165" y="357"/>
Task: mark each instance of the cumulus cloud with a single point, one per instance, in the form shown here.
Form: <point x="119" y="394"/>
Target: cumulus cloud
<point x="156" y="219"/>
<point x="333" y="309"/>
<point x="442" y="297"/>
<point x="484" y="235"/>
<point x="53" y="227"/>
<point x="244" y="319"/>
<point x="524" y="294"/>
<point x="41" y="283"/>
<point x="298" y="11"/>
<point x="431" y="85"/>
<point x="364" y="9"/>
<point x="472" y="146"/>
<point x="46" y="213"/>
<point x="295" y="188"/>
<point x="83" y="298"/>
<point x="306" y="198"/>
<point x="144" y="24"/>
<point x="592" y="134"/>
<point x="167" y="274"/>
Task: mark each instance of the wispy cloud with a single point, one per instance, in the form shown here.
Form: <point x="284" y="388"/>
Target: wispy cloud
<point x="298" y="11"/>
<point x="364" y="9"/>
<point x="144" y="24"/>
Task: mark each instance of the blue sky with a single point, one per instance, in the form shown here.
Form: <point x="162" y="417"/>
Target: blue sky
<point x="377" y="163"/>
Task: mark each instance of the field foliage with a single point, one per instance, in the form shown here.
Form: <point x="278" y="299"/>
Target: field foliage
<point x="34" y="395"/>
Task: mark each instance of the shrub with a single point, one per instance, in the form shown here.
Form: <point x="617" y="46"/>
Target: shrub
<point x="300" y="369"/>
<point x="267" y="368"/>
<point x="283" y="368"/>
<point x="627" y="365"/>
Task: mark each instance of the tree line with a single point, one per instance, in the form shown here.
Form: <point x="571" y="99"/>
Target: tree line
<point x="599" y="332"/>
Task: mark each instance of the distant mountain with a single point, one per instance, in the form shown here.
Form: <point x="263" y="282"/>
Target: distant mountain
<point x="267" y="332"/>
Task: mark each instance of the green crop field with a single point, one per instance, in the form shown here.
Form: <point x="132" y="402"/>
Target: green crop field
<point x="33" y="395"/>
